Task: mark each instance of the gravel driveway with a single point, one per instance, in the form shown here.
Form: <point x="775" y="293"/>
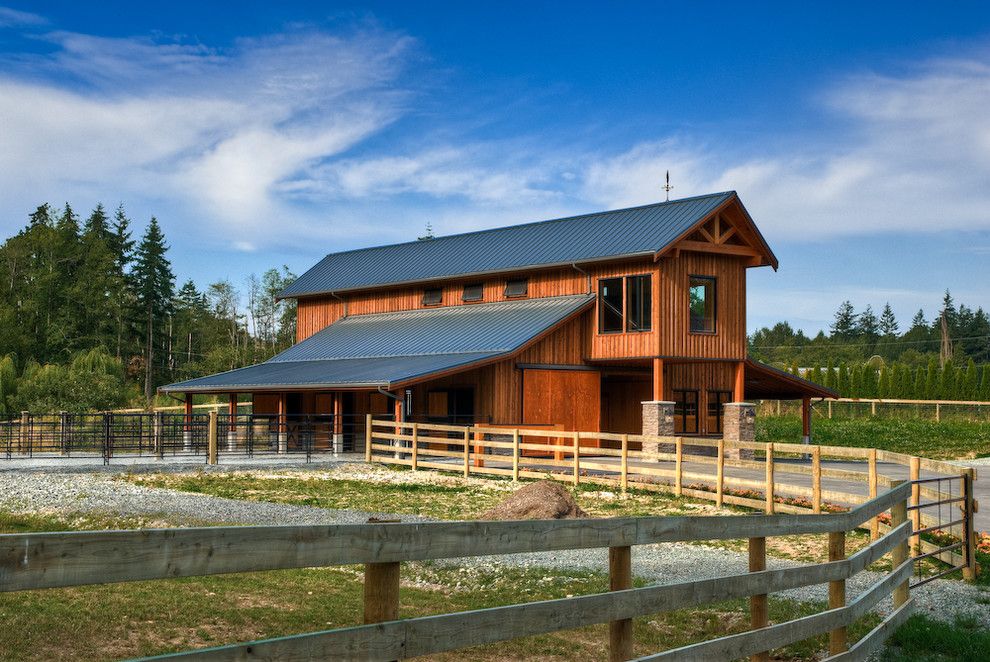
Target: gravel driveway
<point x="69" y="493"/>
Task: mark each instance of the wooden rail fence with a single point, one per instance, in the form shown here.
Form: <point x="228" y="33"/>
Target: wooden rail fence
<point x="941" y="500"/>
<point x="48" y="560"/>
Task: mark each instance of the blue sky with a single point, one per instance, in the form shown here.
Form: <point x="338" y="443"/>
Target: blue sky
<point x="857" y="134"/>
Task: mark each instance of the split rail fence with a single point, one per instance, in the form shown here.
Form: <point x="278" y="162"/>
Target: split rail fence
<point x="32" y="561"/>
<point x="773" y="477"/>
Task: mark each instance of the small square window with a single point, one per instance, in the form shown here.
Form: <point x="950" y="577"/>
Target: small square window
<point x="473" y="292"/>
<point x="433" y="296"/>
<point x="517" y="288"/>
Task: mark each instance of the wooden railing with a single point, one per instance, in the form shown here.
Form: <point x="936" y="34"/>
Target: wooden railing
<point x="48" y="560"/>
<point x="788" y="478"/>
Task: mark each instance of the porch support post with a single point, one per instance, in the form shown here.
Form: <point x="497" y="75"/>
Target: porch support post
<point x="806" y="420"/>
<point x="187" y="423"/>
<point x="338" y="424"/>
<point x="738" y="424"/>
<point x="232" y="423"/>
<point x="283" y="429"/>
<point x="658" y="421"/>
<point x="739" y="383"/>
<point x="657" y="380"/>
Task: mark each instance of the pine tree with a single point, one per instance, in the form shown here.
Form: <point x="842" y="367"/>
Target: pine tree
<point x="867" y="324"/>
<point x="95" y="284"/>
<point x="985" y="385"/>
<point x="884" y="381"/>
<point x="842" y="380"/>
<point x="816" y="374"/>
<point x="946" y="389"/>
<point x="920" y="385"/>
<point x="932" y="378"/>
<point x="122" y="296"/>
<point x="844" y="325"/>
<point x="969" y="384"/>
<point x="888" y="323"/>
<point x="154" y="284"/>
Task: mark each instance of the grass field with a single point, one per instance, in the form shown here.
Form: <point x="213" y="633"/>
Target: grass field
<point x="145" y="618"/>
<point x="945" y="440"/>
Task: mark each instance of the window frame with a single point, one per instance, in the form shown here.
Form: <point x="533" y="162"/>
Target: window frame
<point x="682" y="404"/>
<point x="627" y="317"/>
<point x="481" y="293"/>
<point x="713" y="282"/>
<point x="438" y="302"/>
<point x="624" y="281"/>
<point x="622" y="305"/>
<point x="516" y="295"/>
<point x="719" y="415"/>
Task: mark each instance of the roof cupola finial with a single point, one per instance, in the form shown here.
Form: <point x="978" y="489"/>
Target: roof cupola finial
<point x="666" y="187"/>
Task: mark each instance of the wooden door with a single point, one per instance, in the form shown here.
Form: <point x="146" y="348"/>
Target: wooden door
<point x="570" y="399"/>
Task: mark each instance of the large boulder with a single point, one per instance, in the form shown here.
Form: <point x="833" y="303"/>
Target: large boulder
<point x="545" y="499"/>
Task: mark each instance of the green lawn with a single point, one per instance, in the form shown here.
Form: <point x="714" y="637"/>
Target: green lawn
<point x="923" y="640"/>
<point x="945" y="440"/>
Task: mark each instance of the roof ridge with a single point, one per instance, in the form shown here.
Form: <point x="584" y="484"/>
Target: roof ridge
<point x="547" y="221"/>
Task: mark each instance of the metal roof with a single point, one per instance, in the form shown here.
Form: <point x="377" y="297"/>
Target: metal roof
<point x="391" y="348"/>
<point x="764" y="382"/>
<point x="604" y="235"/>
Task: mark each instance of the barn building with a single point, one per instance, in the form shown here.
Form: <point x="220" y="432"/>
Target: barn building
<point x="620" y="321"/>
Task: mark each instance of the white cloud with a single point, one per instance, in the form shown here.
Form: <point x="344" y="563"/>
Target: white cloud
<point x="17" y="18"/>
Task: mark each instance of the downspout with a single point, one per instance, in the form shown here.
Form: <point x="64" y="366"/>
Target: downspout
<point x="586" y="274"/>
<point x="343" y="301"/>
<point x="402" y="417"/>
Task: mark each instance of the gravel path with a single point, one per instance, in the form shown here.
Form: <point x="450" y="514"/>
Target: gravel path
<point x="71" y="493"/>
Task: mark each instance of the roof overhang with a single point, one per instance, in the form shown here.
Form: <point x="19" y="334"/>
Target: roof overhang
<point x="764" y="382"/>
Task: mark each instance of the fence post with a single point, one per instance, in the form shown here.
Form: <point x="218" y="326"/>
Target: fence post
<point x="381" y="592"/>
<point x="875" y="522"/>
<point x="898" y="515"/>
<point x="577" y="458"/>
<point x="624" y="464"/>
<point x="211" y="438"/>
<point x="479" y="449"/>
<point x="837" y="639"/>
<point x="816" y="479"/>
<point x="620" y="633"/>
<point x="769" y="479"/>
<point x="759" y="613"/>
<point x="368" y="435"/>
<point x="938" y="412"/>
<point x="915" y="501"/>
<point x="678" y="466"/>
<point x="515" y="455"/>
<point x="720" y="473"/>
<point x="156" y="434"/>
<point x="873" y="408"/>
<point x="415" y="446"/>
<point x="467" y="452"/>
<point x="830" y="409"/>
<point x="62" y="429"/>
<point x="969" y="528"/>
<point x="25" y="432"/>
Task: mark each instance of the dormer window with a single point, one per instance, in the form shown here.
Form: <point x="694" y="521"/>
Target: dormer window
<point x="432" y="296"/>
<point x="473" y="292"/>
<point x="518" y="287"/>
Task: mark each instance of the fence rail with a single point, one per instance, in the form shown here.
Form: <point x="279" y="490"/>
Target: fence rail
<point x="889" y="408"/>
<point x="788" y="478"/>
<point x="48" y="560"/>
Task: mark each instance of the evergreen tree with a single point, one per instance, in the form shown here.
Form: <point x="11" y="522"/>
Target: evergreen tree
<point x="884" y="381"/>
<point x="932" y="378"/>
<point x="816" y="374"/>
<point x="985" y="385"/>
<point x="946" y="388"/>
<point x="969" y="384"/>
<point x="867" y="324"/>
<point x="154" y="284"/>
<point x="888" y="323"/>
<point x="844" y="325"/>
<point x="830" y="380"/>
<point x="842" y="380"/>
<point x="920" y="384"/>
<point x="123" y="301"/>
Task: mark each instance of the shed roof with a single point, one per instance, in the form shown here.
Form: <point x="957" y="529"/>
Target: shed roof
<point x="764" y="382"/>
<point x="636" y="231"/>
<point x="387" y="349"/>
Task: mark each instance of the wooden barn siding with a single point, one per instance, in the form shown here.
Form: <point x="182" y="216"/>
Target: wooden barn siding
<point x="702" y="377"/>
<point x="729" y="340"/>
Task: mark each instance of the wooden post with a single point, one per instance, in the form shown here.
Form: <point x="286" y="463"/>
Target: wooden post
<point x="915" y="501"/>
<point x="211" y="438"/>
<point x="624" y="464"/>
<point x="415" y="446"/>
<point x="577" y="458"/>
<point x="658" y="379"/>
<point x="720" y="473"/>
<point x="938" y="412"/>
<point x="283" y="429"/>
<point x="816" y="479"/>
<point x="620" y="633"/>
<point x="25" y="431"/>
<point x="381" y="592"/>
<point x="759" y="612"/>
<point x="806" y="420"/>
<point x="769" y="478"/>
<point x="678" y="466"/>
<point x="778" y="407"/>
<point x="837" y="639"/>
<point x="515" y="455"/>
<point x="875" y="522"/>
<point x="898" y="555"/>
<point x="873" y="408"/>
<point x="187" y="423"/>
<point x="830" y="409"/>
<point x="739" y="383"/>
<point x="337" y="431"/>
<point x="479" y="449"/>
<point x="368" y="435"/>
<point x="969" y="528"/>
<point x="467" y="452"/>
<point x="232" y="423"/>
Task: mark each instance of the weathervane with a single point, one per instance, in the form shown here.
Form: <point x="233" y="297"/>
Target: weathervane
<point x="666" y="187"/>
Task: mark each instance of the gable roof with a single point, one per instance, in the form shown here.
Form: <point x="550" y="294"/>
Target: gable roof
<point x="367" y="351"/>
<point x="622" y="233"/>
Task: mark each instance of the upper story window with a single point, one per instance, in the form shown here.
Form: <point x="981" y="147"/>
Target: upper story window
<point x="432" y="296"/>
<point x="625" y="304"/>
<point x="638" y="299"/>
<point x="701" y="303"/>
<point x="518" y="287"/>
<point x="473" y="292"/>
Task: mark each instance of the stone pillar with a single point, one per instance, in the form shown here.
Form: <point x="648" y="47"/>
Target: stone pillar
<point x="658" y="421"/>
<point x="739" y="424"/>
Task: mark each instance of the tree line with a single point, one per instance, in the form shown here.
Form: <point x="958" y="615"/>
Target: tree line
<point x="91" y="318"/>
<point x="868" y="356"/>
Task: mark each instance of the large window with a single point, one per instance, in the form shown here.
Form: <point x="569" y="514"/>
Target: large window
<point x="638" y="298"/>
<point x="685" y="412"/>
<point x="716" y="400"/>
<point x="702" y="304"/>
<point x="625" y="304"/>
<point x="610" y="305"/>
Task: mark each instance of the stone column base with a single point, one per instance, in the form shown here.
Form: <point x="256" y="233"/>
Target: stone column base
<point x="187" y="440"/>
<point x="338" y="443"/>
<point x="658" y="421"/>
<point x="739" y="424"/>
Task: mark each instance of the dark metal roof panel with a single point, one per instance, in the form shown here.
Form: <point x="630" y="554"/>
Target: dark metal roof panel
<point x="388" y="348"/>
<point x="611" y="234"/>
